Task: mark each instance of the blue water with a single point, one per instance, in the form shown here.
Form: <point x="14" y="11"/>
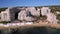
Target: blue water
<point x="32" y="30"/>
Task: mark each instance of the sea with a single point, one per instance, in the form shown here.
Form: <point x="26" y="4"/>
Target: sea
<point x="30" y="30"/>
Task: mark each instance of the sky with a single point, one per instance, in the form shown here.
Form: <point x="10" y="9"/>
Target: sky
<point x="13" y="3"/>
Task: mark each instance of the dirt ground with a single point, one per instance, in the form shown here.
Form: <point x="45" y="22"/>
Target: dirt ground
<point x="35" y="25"/>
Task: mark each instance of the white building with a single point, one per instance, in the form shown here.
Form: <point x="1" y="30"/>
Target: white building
<point x="45" y="10"/>
<point x="51" y="18"/>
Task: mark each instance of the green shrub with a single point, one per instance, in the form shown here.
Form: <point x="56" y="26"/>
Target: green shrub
<point x="5" y="22"/>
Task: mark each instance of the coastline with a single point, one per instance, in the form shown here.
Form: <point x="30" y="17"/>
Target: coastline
<point x="57" y="26"/>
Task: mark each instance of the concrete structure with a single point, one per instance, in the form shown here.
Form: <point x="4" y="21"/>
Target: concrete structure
<point x="45" y="10"/>
<point x="51" y="18"/>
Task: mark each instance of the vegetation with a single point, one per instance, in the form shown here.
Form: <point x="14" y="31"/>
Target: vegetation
<point x="4" y="22"/>
<point x="58" y="17"/>
<point x="55" y="8"/>
<point x="2" y="9"/>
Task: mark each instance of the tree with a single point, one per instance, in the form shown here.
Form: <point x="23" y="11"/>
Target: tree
<point x="2" y="9"/>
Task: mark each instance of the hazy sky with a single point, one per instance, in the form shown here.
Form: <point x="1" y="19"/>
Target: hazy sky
<point x="11" y="3"/>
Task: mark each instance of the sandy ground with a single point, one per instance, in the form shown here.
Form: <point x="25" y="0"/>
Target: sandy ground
<point x="35" y="25"/>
